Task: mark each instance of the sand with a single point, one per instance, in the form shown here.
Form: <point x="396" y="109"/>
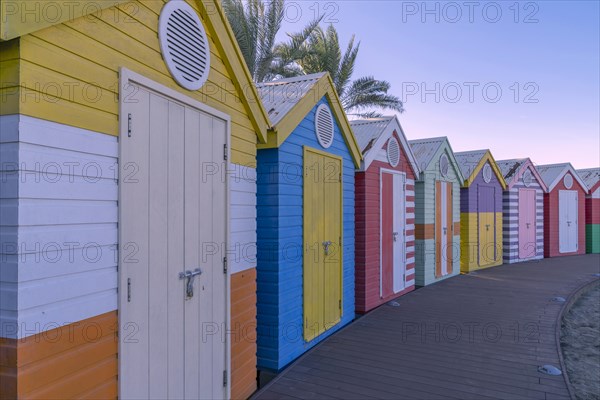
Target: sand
<point x="580" y="343"/>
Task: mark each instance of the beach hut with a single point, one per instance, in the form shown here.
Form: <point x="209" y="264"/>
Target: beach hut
<point x="480" y="210"/>
<point x="305" y="208"/>
<point x="591" y="177"/>
<point x="564" y="210"/>
<point x="385" y="213"/>
<point x="128" y="141"/>
<point x="523" y="211"/>
<point x="437" y="211"/>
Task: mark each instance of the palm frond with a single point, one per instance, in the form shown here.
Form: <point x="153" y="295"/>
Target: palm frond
<point x="367" y="92"/>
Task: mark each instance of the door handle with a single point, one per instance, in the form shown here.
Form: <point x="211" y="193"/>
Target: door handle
<point x="487" y="227"/>
<point x="568" y="223"/>
<point x="189" y="286"/>
<point x="528" y="224"/>
<point x="395" y="235"/>
<point x="445" y="230"/>
<point x="326" y="247"/>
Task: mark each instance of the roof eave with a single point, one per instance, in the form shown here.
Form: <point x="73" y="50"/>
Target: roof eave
<point x="323" y="87"/>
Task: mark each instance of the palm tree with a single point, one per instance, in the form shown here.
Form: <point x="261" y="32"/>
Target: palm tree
<point x="322" y="52"/>
<point x="255" y="26"/>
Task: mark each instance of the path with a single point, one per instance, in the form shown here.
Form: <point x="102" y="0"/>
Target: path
<point x="474" y="336"/>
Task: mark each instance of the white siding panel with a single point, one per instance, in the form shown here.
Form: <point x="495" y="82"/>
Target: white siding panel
<point x="242" y="248"/>
<point x="61" y="217"/>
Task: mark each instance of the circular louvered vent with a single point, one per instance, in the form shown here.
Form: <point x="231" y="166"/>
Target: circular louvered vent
<point x="487" y="173"/>
<point x="324" y="126"/>
<point x="184" y="45"/>
<point x="393" y="152"/>
<point x="568" y="181"/>
<point x="444" y="165"/>
<point x="527" y="178"/>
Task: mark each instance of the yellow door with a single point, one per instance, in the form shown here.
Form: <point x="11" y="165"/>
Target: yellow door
<point x="322" y="242"/>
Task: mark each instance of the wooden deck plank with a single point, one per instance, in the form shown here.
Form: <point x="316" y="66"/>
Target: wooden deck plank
<point x="379" y="356"/>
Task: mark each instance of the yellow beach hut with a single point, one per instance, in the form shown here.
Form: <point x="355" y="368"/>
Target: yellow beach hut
<point x="128" y="143"/>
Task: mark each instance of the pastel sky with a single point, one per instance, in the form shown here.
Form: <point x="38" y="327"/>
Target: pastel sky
<point x="521" y="79"/>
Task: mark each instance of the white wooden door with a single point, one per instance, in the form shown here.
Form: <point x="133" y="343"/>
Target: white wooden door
<point x="399" y="233"/>
<point x="568" y="214"/>
<point x="173" y="220"/>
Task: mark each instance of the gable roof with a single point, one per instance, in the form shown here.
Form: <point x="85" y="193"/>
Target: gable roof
<point x="591" y="177"/>
<point x="471" y="162"/>
<point x="514" y="169"/>
<point x="552" y="174"/>
<point x="372" y="134"/>
<point x="425" y="149"/>
<point x="289" y="100"/>
<point x="14" y="25"/>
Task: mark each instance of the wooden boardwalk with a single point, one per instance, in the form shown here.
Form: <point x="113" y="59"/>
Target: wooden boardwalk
<point x="477" y="336"/>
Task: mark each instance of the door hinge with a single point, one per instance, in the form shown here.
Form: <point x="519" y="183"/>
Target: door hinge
<point x="340" y="304"/>
<point x="224" y="265"/>
<point x="224" y="378"/>
<point x="129" y="290"/>
<point x="129" y="125"/>
<point x="340" y="241"/>
<point x="340" y="177"/>
<point x="225" y="152"/>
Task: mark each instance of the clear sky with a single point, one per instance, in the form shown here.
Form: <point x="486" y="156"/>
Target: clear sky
<point x="521" y="79"/>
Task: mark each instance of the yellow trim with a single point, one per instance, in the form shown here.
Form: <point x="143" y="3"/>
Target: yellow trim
<point x="486" y="158"/>
<point x="211" y="11"/>
<point x="323" y="87"/>
<point x="308" y="334"/>
<point x="20" y="17"/>
<point x="240" y="74"/>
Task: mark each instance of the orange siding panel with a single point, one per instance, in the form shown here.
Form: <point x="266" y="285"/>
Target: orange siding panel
<point x="243" y="338"/>
<point x="73" y="361"/>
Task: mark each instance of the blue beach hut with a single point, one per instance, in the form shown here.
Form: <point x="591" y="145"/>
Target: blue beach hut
<point x="305" y="219"/>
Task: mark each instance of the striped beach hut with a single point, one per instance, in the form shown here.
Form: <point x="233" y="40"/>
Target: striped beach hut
<point x="564" y="210"/>
<point x="437" y="211"/>
<point x="127" y="212"/>
<point x="305" y="225"/>
<point x="385" y="213"/>
<point x="591" y="177"/>
<point x="480" y="210"/>
<point x="523" y="211"/>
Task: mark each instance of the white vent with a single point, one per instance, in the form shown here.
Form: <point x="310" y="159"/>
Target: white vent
<point x="393" y="152"/>
<point x="487" y="173"/>
<point x="324" y="126"/>
<point x="527" y="178"/>
<point x="568" y="181"/>
<point x="444" y="165"/>
<point x="184" y="45"/>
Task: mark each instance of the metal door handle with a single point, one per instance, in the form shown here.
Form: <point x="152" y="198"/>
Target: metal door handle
<point x="528" y="224"/>
<point x="445" y="230"/>
<point x="326" y="247"/>
<point x="189" y="286"/>
<point x="487" y="227"/>
<point x="568" y="223"/>
<point x="395" y="234"/>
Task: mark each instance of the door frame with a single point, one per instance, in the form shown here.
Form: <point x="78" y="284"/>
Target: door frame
<point x="126" y="77"/>
<point x="576" y="247"/>
<point x="520" y="222"/>
<point x="305" y="149"/>
<point x="450" y="229"/>
<point x="479" y="238"/>
<point x="393" y="172"/>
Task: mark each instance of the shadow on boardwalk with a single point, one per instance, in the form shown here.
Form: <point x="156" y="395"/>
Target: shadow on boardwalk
<point x="474" y="336"/>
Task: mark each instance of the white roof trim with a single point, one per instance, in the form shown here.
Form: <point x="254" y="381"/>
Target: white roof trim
<point x="393" y="125"/>
<point x="567" y="168"/>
